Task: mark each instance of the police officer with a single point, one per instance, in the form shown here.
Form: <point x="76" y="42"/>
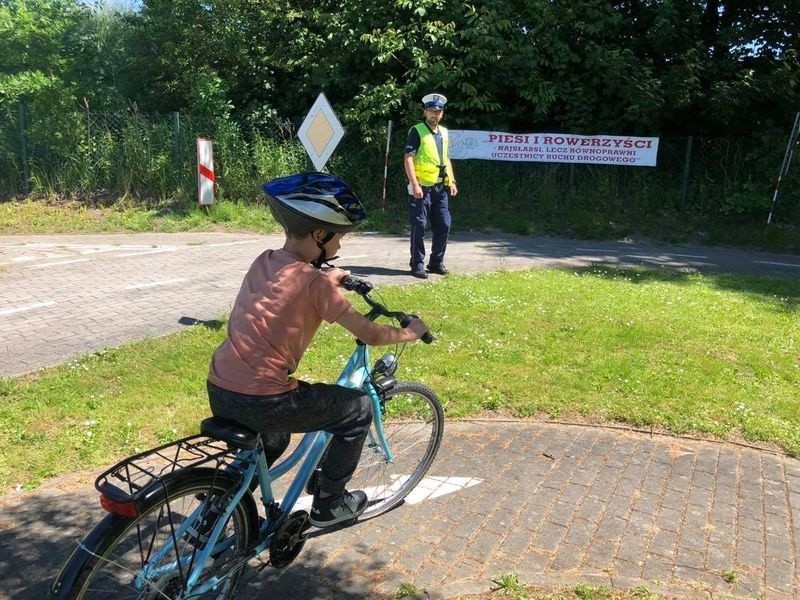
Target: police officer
<point x="431" y="183"/>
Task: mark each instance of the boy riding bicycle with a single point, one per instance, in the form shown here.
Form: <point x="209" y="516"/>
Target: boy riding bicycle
<point x="281" y="304"/>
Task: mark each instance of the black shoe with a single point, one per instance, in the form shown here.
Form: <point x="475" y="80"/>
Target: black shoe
<point x="438" y="269"/>
<point x="419" y="273"/>
<point x="337" y="509"/>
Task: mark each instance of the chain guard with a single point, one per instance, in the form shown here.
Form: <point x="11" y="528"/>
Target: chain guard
<point x="289" y="540"/>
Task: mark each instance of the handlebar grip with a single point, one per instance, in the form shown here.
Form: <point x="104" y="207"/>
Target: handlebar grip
<point x="355" y="284"/>
<point x="405" y="319"/>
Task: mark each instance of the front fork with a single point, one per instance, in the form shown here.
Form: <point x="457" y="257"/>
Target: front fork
<point x="377" y="393"/>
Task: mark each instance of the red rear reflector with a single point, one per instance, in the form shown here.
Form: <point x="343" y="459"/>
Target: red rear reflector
<point x="123" y="509"/>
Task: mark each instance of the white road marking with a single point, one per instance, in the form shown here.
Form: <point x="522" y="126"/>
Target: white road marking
<point x="58" y="263"/>
<point x="777" y="264"/>
<point x="187" y="247"/>
<point x="151" y="284"/>
<point x="54" y="250"/>
<point x="151" y="250"/>
<point x="643" y="256"/>
<point x="143" y="252"/>
<point x="433" y="487"/>
<point x="661" y="257"/>
<point x="240" y="242"/>
<point x="80" y="248"/>
<point x="19" y="309"/>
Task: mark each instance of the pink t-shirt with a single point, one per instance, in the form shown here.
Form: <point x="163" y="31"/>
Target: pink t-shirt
<point x="279" y="309"/>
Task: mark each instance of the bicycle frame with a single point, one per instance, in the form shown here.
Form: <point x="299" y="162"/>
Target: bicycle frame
<point x="252" y="463"/>
<point x="166" y="546"/>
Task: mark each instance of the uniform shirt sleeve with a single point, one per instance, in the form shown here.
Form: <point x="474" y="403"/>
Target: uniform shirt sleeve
<point x="412" y="142"/>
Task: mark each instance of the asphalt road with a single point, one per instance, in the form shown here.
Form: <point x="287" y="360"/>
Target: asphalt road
<point x="67" y="295"/>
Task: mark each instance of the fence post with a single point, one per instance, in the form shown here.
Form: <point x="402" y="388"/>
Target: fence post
<point x="571" y="180"/>
<point x="88" y="124"/>
<point x="686" y="166"/>
<point x="23" y="145"/>
<point x="176" y="138"/>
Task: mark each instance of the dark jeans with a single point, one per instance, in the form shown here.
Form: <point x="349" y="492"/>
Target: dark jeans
<point x="344" y="412"/>
<point x="433" y="207"/>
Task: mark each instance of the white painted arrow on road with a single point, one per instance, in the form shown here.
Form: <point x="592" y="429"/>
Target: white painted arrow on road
<point x="427" y="489"/>
<point x="433" y="487"/>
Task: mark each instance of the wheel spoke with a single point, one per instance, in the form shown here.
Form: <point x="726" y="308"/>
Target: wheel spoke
<point x="413" y="429"/>
<point x="151" y="556"/>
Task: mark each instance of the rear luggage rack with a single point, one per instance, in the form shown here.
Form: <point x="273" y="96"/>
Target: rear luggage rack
<point x="125" y="481"/>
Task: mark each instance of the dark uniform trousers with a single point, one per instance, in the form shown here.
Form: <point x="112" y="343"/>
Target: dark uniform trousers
<point x="433" y="208"/>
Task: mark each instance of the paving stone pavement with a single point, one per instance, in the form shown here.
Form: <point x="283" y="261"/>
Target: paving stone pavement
<point x="556" y="503"/>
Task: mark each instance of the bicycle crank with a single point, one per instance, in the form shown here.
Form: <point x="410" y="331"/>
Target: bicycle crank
<point x="289" y="540"/>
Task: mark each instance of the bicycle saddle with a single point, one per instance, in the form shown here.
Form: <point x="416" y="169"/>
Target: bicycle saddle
<point x="231" y="432"/>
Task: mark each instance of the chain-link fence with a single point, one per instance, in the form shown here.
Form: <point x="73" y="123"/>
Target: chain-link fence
<point x="94" y="156"/>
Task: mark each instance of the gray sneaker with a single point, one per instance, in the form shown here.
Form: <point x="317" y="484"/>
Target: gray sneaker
<point x="337" y="509"/>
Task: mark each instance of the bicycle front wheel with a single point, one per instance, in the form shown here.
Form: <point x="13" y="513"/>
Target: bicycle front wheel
<point x="413" y="423"/>
<point x="144" y="557"/>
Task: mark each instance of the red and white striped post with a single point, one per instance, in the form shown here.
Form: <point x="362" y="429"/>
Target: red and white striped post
<point x="205" y="172"/>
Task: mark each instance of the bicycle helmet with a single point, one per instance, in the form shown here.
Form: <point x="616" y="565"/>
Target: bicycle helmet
<point x="306" y="201"/>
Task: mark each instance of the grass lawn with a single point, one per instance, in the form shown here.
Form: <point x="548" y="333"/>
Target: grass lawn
<point x="65" y="216"/>
<point x="710" y="355"/>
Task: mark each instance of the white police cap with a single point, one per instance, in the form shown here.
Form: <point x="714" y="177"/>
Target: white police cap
<point x="434" y="101"/>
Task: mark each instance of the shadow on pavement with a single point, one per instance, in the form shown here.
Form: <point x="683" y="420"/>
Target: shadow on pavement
<point x="213" y="324"/>
<point x="37" y="537"/>
<point x="39" y="533"/>
<point x="362" y="271"/>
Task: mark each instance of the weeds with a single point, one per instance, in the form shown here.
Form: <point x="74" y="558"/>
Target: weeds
<point x="729" y="576"/>
<point x="408" y="590"/>
<point x="509" y="585"/>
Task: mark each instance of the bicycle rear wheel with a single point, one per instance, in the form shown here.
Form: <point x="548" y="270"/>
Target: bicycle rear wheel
<point x="111" y="558"/>
<point x="413" y="423"/>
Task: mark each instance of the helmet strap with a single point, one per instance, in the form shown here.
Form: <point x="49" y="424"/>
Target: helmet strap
<point x="322" y="259"/>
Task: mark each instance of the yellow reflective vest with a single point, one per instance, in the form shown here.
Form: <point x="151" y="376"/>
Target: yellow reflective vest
<point x="426" y="159"/>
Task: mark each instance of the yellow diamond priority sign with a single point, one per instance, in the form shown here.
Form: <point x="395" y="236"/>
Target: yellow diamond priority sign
<point x="320" y="132"/>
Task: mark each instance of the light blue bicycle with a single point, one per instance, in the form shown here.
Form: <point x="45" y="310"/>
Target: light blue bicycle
<point x="184" y="520"/>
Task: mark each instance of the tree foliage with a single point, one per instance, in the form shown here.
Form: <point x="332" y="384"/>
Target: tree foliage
<point x="719" y="67"/>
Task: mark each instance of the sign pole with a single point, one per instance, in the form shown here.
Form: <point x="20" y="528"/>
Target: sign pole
<point x="794" y="138"/>
<point x="386" y="164"/>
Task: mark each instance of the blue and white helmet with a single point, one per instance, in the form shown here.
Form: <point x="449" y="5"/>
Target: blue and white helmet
<point x="306" y="201"/>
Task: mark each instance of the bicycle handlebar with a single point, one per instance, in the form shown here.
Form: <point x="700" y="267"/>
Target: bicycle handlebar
<point x="363" y="288"/>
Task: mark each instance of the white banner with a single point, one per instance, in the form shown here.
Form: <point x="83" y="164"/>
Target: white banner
<point x="554" y="147"/>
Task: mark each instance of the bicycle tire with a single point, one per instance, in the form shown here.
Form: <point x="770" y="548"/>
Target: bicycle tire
<point x="105" y="565"/>
<point x="413" y="424"/>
